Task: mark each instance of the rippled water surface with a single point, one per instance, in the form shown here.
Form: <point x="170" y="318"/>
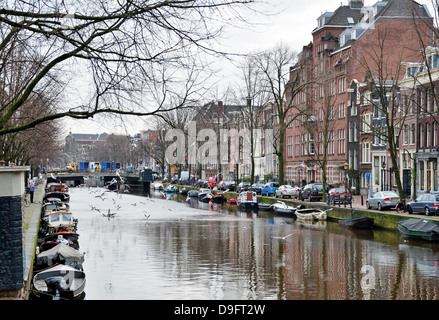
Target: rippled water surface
<point x="157" y="248"/>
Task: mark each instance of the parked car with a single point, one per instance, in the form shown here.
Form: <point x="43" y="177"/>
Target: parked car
<point x="229" y="185"/>
<point x="382" y="200"/>
<point x="243" y="186"/>
<point x="256" y="187"/>
<point x="221" y="185"/>
<point x="339" y="195"/>
<point x="201" y="183"/>
<point x="425" y="203"/>
<point x="313" y="191"/>
<point x="285" y="191"/>
<point x="269" y="188"/>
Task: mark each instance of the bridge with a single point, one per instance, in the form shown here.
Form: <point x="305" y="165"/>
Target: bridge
<point x="98" y="178"/>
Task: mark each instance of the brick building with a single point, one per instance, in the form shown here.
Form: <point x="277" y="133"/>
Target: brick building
<point x="334" y="114"/>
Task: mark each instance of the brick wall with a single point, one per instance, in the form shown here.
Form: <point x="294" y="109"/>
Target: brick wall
<point x="11" y="243"/>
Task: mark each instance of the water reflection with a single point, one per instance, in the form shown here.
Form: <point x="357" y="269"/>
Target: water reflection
<point x="195" y="250"/>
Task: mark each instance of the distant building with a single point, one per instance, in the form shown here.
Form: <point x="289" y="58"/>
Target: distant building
<point x="79" y="145"/>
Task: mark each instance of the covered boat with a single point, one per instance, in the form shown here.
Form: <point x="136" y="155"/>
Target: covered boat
<point x="419" y="229"/>
<point x="62" y="280"/>
<point x="59" y="254"/>
<point x="248" y="199"/>
<point x="359" y="223"/>
<point x="312" y="214"/>
<point x="51" y="196"/>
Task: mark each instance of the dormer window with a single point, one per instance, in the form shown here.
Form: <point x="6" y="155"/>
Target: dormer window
<point x="433" y="61"/>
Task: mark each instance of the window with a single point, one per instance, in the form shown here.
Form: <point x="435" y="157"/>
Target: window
<point x="412" y="133"/>
<point x="341" y="85"/>
<point x="332" y="87"/>
<point x="297" y="145"/>
<point x="405" y="135"/>
<point x="428" y="132"/>
<point x="341" y="141"/>
<point x="367" y="125"/>
<point x="366" y="152"/>
<point x="341" y="110"/>
<point x="421" y="134"/>
<point x="311" y="144"/>
<point x="289" y="146"/>
<point x="435" y="135"/>
<point x="331" y="142"/>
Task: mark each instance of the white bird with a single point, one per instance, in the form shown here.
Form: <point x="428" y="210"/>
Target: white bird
<point x="283" y="238"/>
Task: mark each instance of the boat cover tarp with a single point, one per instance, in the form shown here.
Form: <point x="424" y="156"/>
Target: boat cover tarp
<point x="61" y="252"/>
<point x="420" y="225"/>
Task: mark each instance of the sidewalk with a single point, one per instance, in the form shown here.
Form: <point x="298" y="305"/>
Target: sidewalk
<point x="32" y="221"/>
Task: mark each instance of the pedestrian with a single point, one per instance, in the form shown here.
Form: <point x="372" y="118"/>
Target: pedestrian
<point x="31" y="191"/>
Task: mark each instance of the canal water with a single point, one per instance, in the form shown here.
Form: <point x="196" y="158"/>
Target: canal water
<point x="170" y="249"/>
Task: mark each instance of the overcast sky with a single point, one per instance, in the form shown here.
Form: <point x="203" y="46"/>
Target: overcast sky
<point x="288" y="21"/>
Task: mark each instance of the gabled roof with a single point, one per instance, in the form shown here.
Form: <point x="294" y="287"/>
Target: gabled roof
<point x="343" y="15"/>
<point x="404" y="8"/>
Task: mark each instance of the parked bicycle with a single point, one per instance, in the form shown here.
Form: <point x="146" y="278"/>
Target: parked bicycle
<point x="400" y="207"/>
<point x="26" y="201"/>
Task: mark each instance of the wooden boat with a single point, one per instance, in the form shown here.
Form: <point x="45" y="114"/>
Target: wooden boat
<point x="282" y="207"/>
<point x="359" y="223"/>
<point x="60" y="280"/>
<point x="248" y="199"/>
<point x="312" y="214"/>
<point x="422" y="229"/>
<point x="56" y="187"/>
<point x="56" y="221"/>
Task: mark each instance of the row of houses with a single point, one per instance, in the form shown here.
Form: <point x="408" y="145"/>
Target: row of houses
<point x="368" y="110"/>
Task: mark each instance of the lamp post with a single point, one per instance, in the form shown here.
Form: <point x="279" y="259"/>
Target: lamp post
<point x="346" y="166"/>
<point x="383" y="168"/>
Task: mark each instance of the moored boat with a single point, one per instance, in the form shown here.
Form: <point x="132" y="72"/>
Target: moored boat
<point x="422" y="229"/>
<point x="203" y="192"/>
<point x="265" y="206"/>
<point x="217" y="198"/>
<point x="282" y="207"/>
<point x="312" y="214"/>
<point x="192" y="193"/>
<point x="171" y="189"/>
<point x="248" y="199"/>
<point x="231" y="201"/>
<point x="359" y="223"/>
<point x="59" y="254"/>
<point x="62" y="280"/>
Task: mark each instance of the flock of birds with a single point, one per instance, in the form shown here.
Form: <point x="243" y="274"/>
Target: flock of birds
<point x="110" y="214"/>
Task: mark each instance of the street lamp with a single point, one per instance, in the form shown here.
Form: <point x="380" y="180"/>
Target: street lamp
<point x="383" y="168"/>
<point x="346" y="166"/>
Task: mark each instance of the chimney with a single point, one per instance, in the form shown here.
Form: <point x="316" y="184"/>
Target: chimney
<point x="220" y="109"/>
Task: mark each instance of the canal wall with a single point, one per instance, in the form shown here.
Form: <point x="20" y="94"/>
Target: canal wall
<point x="383" y="219"/>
